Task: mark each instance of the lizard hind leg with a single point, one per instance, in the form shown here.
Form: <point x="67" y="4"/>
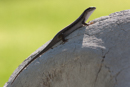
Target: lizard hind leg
<point x="63" y="38"/>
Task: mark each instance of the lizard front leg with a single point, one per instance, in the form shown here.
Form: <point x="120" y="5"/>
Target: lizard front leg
<point x="87" y="24"/>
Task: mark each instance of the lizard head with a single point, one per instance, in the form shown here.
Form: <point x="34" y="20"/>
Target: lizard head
<point x="88" y="12"/>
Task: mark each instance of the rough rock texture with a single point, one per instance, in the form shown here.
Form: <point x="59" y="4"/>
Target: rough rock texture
<point x="94" y="56"/>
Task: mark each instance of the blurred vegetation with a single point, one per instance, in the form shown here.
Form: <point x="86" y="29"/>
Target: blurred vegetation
<point x="25" y="25"/>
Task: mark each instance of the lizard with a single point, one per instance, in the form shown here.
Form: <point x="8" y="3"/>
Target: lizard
<point x="79" y="22"/>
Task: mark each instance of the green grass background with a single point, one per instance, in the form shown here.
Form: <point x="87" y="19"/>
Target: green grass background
<point x="27" y="24"/>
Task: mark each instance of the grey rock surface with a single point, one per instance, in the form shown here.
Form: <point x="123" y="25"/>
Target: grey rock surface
<point x="97" y="55"/>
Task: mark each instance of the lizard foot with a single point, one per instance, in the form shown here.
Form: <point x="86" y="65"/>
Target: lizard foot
<point x="63" y="41"/>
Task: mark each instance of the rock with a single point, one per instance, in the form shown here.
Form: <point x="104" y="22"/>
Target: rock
<point x="94" y="56"/>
